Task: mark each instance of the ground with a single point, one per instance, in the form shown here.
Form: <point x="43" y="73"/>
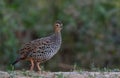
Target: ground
<point x="83" y="74"/>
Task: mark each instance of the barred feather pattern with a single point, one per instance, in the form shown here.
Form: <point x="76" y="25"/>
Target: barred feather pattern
<point x="42" y="49"/>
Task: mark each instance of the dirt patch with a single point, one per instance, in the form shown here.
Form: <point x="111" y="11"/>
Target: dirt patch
<point x="28" y="74"/>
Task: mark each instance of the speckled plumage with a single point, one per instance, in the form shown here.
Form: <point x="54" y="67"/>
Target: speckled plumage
<point x="41" y="50"/>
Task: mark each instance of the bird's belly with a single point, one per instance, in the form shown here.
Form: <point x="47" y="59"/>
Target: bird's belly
<point x="45" y="54"/>
<point x="42" y="57"/>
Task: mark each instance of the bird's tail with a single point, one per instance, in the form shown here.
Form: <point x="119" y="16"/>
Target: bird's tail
<point x="16" y="61"/>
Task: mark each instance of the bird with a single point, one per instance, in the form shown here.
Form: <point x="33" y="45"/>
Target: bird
<point x="42" y="49"/>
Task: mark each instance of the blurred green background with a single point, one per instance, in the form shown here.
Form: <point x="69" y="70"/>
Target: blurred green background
<point x="91" y="32"/>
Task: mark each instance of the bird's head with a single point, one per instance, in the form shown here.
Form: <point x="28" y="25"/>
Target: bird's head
<point x="58" y="26"/>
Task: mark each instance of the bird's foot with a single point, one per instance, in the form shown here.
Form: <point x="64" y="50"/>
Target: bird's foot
<point x="39" y="72"/>
<point x="31" y="70"/>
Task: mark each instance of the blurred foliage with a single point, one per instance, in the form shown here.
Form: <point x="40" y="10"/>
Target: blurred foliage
<point x="90" y="33"/>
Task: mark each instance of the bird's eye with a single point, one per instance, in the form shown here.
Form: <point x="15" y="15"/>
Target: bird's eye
<point x="57" y="25"/>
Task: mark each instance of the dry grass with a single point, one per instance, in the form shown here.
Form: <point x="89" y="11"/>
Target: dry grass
<point x="82" y="74"/>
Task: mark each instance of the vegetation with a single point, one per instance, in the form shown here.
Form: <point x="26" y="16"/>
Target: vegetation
<point x="90" y="33"/>
<point x="26" y="74"/>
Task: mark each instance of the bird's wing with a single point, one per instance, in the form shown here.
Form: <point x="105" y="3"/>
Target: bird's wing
<point x="42" y="44"/>
<point x="38" y="45"/>
<point x="26" y="49"/>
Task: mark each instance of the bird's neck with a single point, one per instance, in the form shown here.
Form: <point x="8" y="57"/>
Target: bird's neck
<point x="58" y="34"/>
<point x="58" y="37"/>
<point x="57" y="30"/>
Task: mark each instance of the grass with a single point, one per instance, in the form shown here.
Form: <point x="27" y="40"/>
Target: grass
<point x="14" y="74"/>
<point x="60" y="75"/>
<point x="95" y="69"/>
<point x="95" y="72"/>
<point x="100" y="74"/>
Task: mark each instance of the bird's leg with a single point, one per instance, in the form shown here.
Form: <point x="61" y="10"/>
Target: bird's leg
<point x="39" y="69"/>
<point x="32" y="65"/>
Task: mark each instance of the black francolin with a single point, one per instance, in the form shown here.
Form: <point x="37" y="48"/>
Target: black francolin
<point x="41" y="50"/>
